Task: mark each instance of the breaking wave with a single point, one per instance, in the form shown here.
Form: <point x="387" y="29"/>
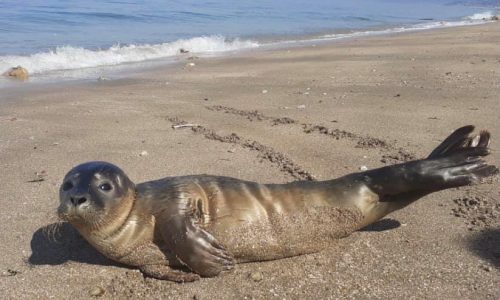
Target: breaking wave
<point x="481" y="16"/>
<point x="69" y="58"/>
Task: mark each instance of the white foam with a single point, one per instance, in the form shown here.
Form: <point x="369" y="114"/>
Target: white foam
<point x="70" y="58"/>
<point x="481" y="16"/>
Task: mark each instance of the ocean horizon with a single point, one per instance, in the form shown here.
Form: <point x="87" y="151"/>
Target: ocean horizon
<point x="59" y="39"/>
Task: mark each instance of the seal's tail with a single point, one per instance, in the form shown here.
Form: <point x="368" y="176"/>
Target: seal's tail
<point x="457" y="161"/>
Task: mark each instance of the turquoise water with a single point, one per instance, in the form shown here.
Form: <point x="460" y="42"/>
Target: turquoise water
<point x="53" y="35"/>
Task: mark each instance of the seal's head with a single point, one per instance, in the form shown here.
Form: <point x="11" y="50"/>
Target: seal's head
<point x="93" y="194"/>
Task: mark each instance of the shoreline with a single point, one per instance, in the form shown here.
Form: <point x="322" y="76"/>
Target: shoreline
<point x="254" y="44"/>
<point x="327" y="111"/>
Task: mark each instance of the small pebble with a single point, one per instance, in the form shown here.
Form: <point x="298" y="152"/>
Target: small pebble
<point x="191" y="64"/>
<point x="487" y="268"/>
<point x="256" y="276"/>
<point x="144" y="153"/>
<point x="264" y="91"/>
<point x="363" y="168"/>
<point x="302" y="106"/>
<point x="96" y="291"/>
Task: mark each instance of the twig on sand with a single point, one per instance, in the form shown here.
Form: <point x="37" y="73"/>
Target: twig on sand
<point x="178" y="126"/>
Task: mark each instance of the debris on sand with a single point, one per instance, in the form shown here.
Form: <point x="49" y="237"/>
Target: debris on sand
<point x="10" y="272"/>
<point x="96" y="291"/>
<point x="39" y="176"/>
<point x="17" y="73"/>
<point x="187" y="125"/>
<point x="256" y="276"/>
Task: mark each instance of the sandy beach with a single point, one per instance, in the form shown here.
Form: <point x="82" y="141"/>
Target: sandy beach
<point x="311" y="113"/>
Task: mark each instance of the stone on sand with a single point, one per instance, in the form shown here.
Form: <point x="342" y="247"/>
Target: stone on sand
<point x="18" y="73"/>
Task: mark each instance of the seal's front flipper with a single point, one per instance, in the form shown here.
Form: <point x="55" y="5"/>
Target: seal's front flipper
<point x="193" y="246"/>
<point x="163" y="272"/>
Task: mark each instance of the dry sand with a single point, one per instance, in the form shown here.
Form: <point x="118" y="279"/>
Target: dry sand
<point x="329" y="109"/>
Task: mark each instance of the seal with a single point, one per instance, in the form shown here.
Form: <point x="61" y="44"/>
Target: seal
<point x="210" y="223"/>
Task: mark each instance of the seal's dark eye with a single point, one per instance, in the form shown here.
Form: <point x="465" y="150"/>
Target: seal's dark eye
<point x="105" y="187"/>
<point x="67" y="186"/>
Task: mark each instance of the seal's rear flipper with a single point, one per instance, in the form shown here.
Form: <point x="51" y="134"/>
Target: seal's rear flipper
<point x="457" y="161"/>
<point x="460" y="139"/>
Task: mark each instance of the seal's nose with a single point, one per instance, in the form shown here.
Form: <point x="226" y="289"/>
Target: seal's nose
<point x="78" y="200"/>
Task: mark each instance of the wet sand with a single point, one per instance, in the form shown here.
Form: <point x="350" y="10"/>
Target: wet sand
<point x="312" y="113"/>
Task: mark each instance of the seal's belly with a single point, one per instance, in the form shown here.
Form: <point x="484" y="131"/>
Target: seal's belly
<point x="263" y="222"/>
<point x="284" y="235"/>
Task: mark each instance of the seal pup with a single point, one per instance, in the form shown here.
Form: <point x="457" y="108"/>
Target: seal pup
<point x="209" y="223"/>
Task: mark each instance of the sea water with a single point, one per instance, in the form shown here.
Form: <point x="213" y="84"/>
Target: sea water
<point x="59" y="38"/>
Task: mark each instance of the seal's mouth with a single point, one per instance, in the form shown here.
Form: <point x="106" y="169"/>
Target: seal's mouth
<point x="67" y="213"/>
<point x="62" y="213"/>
